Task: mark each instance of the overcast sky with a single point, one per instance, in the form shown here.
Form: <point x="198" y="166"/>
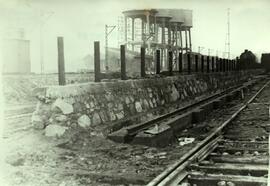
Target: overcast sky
<point x="81" y="22"/>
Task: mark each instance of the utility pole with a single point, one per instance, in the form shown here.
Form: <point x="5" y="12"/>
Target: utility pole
<point x="209" y="51"/>
<point x="41" y="48"/>
<point x="107" y="33"/>
<point x="41" y="27"/>
<point x="200" y="49"/>
<point x="41" y="43"/>
<point x="227" y="43"/>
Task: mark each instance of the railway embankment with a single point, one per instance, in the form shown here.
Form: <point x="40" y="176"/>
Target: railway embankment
<point x="108" y="106"/>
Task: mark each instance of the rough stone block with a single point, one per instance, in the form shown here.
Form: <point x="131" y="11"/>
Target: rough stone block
<point x="238" y="93"/>
<point x="112" y="116"/>
<point x="37" y="122"/>
<point x="127" y="100"/>
<point x="229" y="97"/>
<point x="43" y="108"/>
<point x="145" y="104"/>
<point x="138" y="106"/>
<point x="175" y="94"/>
<point x="61" y="118"/>
<point x="84" y="121"/>
<point x="120" y="107"/>
<point x="156" y="138"/>
<point x="15" y="159"/>
<point x="77" y="107"/>
<point x="63" y="106"/>
<point x="118" y="136"/>
<point x="223" y="100"/>
<point x="96" y="119"/>
<point x="180" y="122"/>
<point x="120" y="115"/>
<point x="217" y="104"/>
<point x="104" y="116"/>
<point x="208" y="107"/>
<point x="246" y="89"/>
<point x="234" y="94"/>
<point x="198" y="115"/>
<point x="55" y="131"/>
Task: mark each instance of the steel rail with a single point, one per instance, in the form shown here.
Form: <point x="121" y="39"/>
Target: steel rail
<point x="18" y="116"/>
<point x="169" y="176"/>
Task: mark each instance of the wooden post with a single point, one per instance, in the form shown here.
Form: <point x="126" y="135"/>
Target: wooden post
<point x="221" y="65"/>
<point x="180" y="61"/>
<point x="123" y="62"/>
<point x="213" y="64"/>
<point x="207" y="64"/>
<point x="225" y="65"/>
<point x="217" y="64"/>
<point x="61" y="61"/>
<point x="196" y="62"/>
<point x="268" y="179"/>
<point x="97" y="61"/>
<point x="202" y="63"/>
<point x="237" y="64"/>
<point x="189" y="63"/>
<point x="142" y="62"/>
<point x="157" y="61"/>
<point x="170" y="63"/>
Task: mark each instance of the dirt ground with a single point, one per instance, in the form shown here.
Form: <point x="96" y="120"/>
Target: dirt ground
<point x="89" y="158"/>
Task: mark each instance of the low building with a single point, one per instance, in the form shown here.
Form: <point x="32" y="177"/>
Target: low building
<point x="133" y="62"/>
<point x="16" y="56"/>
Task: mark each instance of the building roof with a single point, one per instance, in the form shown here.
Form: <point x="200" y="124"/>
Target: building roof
<point x="181" y="16"/>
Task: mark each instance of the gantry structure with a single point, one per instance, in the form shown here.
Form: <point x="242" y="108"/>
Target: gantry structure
<point x="158" y="29"/>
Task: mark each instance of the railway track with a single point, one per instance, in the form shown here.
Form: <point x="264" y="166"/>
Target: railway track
<point x="219" y="160"/>
<point x="17" y="120"/>
<point x="232" y="163"/>
<point x="22" y="111"/>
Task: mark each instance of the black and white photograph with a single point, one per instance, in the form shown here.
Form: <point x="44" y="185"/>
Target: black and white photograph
<point x="134" y="92"/>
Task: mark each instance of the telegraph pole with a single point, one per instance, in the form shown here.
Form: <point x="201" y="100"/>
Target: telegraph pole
<point x="227" y="43"/>
<point x="209" y="51"/>
<point x="41" y="27"/>
<point x="107" y="33"/>
<point x="41" y="45"/>
<point x="200" y="49"/>
<point x="41" y="48"/>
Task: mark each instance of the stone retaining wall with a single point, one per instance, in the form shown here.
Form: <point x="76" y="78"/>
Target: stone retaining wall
<point x="107" y="106"/>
